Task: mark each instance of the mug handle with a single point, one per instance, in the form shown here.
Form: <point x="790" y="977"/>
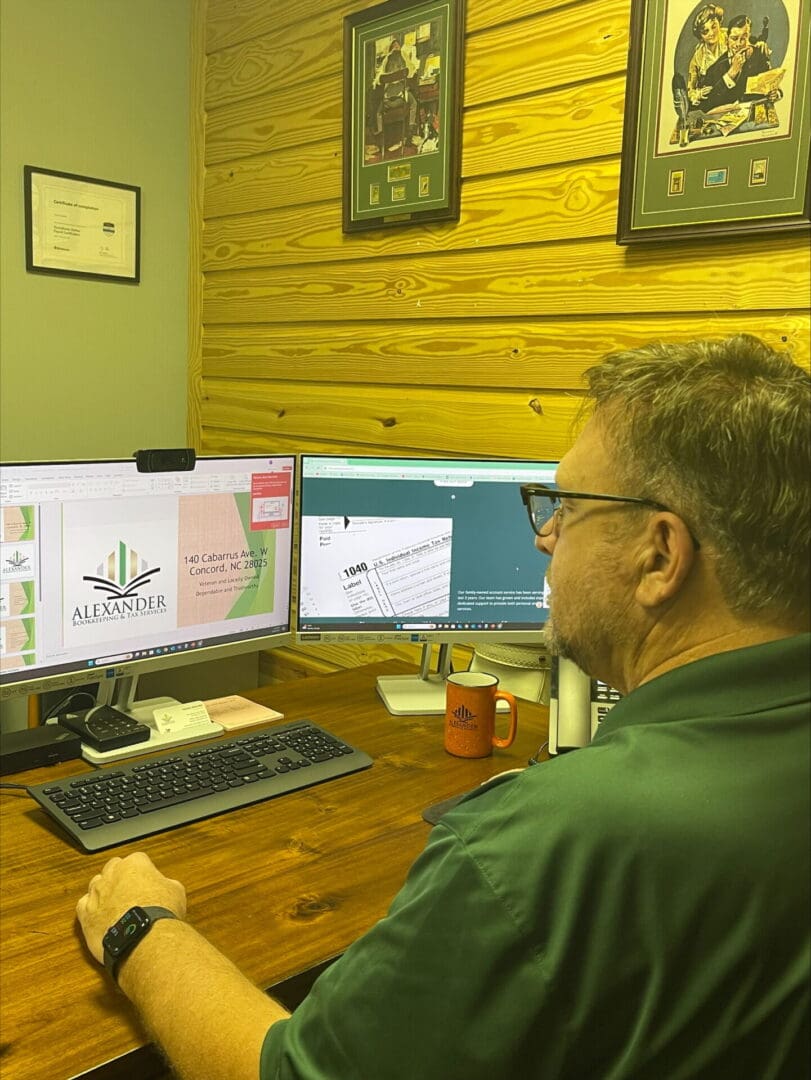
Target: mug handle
<point x="504" y="696"/>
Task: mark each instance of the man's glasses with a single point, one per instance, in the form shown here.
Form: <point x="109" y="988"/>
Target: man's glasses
<point x="544" y="509"/>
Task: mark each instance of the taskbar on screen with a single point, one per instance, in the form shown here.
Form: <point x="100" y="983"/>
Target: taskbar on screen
<point x="95" y="665"/>
<point x="339" y="627"/>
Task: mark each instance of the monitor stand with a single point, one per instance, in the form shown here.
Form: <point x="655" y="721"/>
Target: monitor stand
<point x="120" y="693"/>
<point x="418" y="695"/>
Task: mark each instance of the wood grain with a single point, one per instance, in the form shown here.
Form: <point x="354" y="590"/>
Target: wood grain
<point x="496" y="139"/>
<point x="298" y="662"/>
<point x="300" y="174"/>
<point x="574" y="123"/>
<point x="548" y="204"/>
<point x="273" y="122"/>
<point x="217" y="440"/>
<point x="577" y="44"/>
<point x="547" y="126"/>
<point x="482" y="14"/>
<point x="287" y="56"/>
<point x="230" y="22"/>
<point x="233" y="21"/>
<point x="529" y="424"/>
<point x="588" y="278"/>
<point x="584" y="42"/>
<point x="481" y="353"/>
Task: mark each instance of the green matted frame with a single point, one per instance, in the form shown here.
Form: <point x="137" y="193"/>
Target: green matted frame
<point x="403" y="72"/>
<point x="691" y="170"/>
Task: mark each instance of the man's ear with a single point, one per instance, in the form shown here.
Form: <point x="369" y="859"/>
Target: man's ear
<point x="666" y="558"/>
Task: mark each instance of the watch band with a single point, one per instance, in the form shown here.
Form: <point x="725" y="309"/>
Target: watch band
<point x="124" y="935"/>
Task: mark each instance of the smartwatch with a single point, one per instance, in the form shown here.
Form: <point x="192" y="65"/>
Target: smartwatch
<point x="124" y="935"/>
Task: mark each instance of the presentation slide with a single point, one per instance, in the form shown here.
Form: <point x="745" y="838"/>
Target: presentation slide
<point x="16" y="523"/>
<point x="16" y="562"/>
<point x="146" y="566"/>
<point x="17" y="636"/>
<point x="16" y="598"/>
<point x="226" y="563"/>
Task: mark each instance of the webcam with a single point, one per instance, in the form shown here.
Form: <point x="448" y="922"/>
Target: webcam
<point x="181" y="460"/>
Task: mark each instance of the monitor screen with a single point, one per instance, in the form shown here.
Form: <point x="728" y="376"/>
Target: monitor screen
<point x="419" y="550"/>
<point x="107" y="572"/>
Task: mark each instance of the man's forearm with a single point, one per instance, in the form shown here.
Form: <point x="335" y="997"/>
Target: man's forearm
<point x="208" y="1018"/>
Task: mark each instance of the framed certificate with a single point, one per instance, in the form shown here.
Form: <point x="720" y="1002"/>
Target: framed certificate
<point x="78" y="226"/>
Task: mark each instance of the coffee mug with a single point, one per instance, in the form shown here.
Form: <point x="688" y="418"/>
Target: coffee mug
<point x="470" y="714"/>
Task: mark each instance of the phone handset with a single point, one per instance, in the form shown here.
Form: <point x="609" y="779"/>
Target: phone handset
<point x="577" y="705"/>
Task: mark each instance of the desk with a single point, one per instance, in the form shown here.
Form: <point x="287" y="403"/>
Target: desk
<point x="279" y="886"/>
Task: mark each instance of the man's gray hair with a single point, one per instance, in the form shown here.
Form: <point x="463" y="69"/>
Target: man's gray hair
<point x="720" y="431"/>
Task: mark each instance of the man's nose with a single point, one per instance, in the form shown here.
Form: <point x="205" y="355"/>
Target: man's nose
<point x="546" y="544"/>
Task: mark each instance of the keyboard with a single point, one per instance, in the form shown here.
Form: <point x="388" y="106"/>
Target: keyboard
<point x="126" y="802"/>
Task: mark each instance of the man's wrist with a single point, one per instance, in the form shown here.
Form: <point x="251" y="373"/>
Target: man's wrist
<point x="159" y="946"/>
<point x="127" y="932"/>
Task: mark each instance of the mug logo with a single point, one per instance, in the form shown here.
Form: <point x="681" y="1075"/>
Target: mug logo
<point x="463" y="717"/>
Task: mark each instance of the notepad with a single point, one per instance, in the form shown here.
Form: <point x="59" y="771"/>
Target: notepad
<point x="233" y="712"/>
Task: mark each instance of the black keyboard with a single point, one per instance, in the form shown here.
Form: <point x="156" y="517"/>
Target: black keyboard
<point x="122" y="803"/>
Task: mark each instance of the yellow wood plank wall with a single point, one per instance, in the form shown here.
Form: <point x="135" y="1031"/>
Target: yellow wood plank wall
<point x="455" y="338"/>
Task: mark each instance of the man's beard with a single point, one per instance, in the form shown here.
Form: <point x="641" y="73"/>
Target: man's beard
<point x="590" y="645"/>
<point x="558" y="644"/>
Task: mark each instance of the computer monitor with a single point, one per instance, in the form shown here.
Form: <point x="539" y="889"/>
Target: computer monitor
<point x="419" y="550"/>
<point x="107" y="572"/>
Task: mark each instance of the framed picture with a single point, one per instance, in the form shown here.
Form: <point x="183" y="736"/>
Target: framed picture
<point x="78" y="226"/>
<point x="717" y="131"/>
<point x="403" y="64"/>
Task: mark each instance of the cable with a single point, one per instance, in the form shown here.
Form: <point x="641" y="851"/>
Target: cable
<point x="21" y="787"/>
<point x="66" y="701"/>
<point x="534" y="759"/>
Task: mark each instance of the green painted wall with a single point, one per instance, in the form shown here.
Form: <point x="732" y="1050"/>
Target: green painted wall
<point x="88" y="368"/>
<point x="99" y="88"/>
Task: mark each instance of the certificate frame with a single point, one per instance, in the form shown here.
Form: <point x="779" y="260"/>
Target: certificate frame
<point x="692" y="168"/>
<point x="402" y="113"/>
<point x="80" y="226"/>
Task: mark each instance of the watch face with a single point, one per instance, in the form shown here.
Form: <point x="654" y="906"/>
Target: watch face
<point x="129" y="928"/>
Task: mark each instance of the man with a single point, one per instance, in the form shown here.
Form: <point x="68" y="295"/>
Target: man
<point x="634" y="910"/>
<point x="725" y="80"/>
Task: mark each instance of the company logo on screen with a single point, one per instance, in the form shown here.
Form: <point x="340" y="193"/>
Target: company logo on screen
<point x="123" y="575"/>
<point x="18" y="561"/>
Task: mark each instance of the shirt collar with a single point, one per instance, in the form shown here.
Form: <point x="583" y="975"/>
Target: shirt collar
<point x="739" y="682"/>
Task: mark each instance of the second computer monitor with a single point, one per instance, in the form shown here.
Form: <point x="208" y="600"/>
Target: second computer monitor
<point x="420" y="550"/>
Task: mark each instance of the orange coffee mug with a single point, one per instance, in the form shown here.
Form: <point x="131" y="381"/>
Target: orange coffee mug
<point x="470" y="714"/>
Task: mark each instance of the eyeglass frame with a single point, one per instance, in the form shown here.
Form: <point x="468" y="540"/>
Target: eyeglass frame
<point x="554" y="493"/>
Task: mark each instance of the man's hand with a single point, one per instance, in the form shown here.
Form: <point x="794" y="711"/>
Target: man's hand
<point x="122" y="884"/>
<point x="736" y="64"/>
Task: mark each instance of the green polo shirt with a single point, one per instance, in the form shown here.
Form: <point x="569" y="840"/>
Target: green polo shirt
<point x="634" y="910"/>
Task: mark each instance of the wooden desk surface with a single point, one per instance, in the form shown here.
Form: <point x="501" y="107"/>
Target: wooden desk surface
<point x="278" y="886"/>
